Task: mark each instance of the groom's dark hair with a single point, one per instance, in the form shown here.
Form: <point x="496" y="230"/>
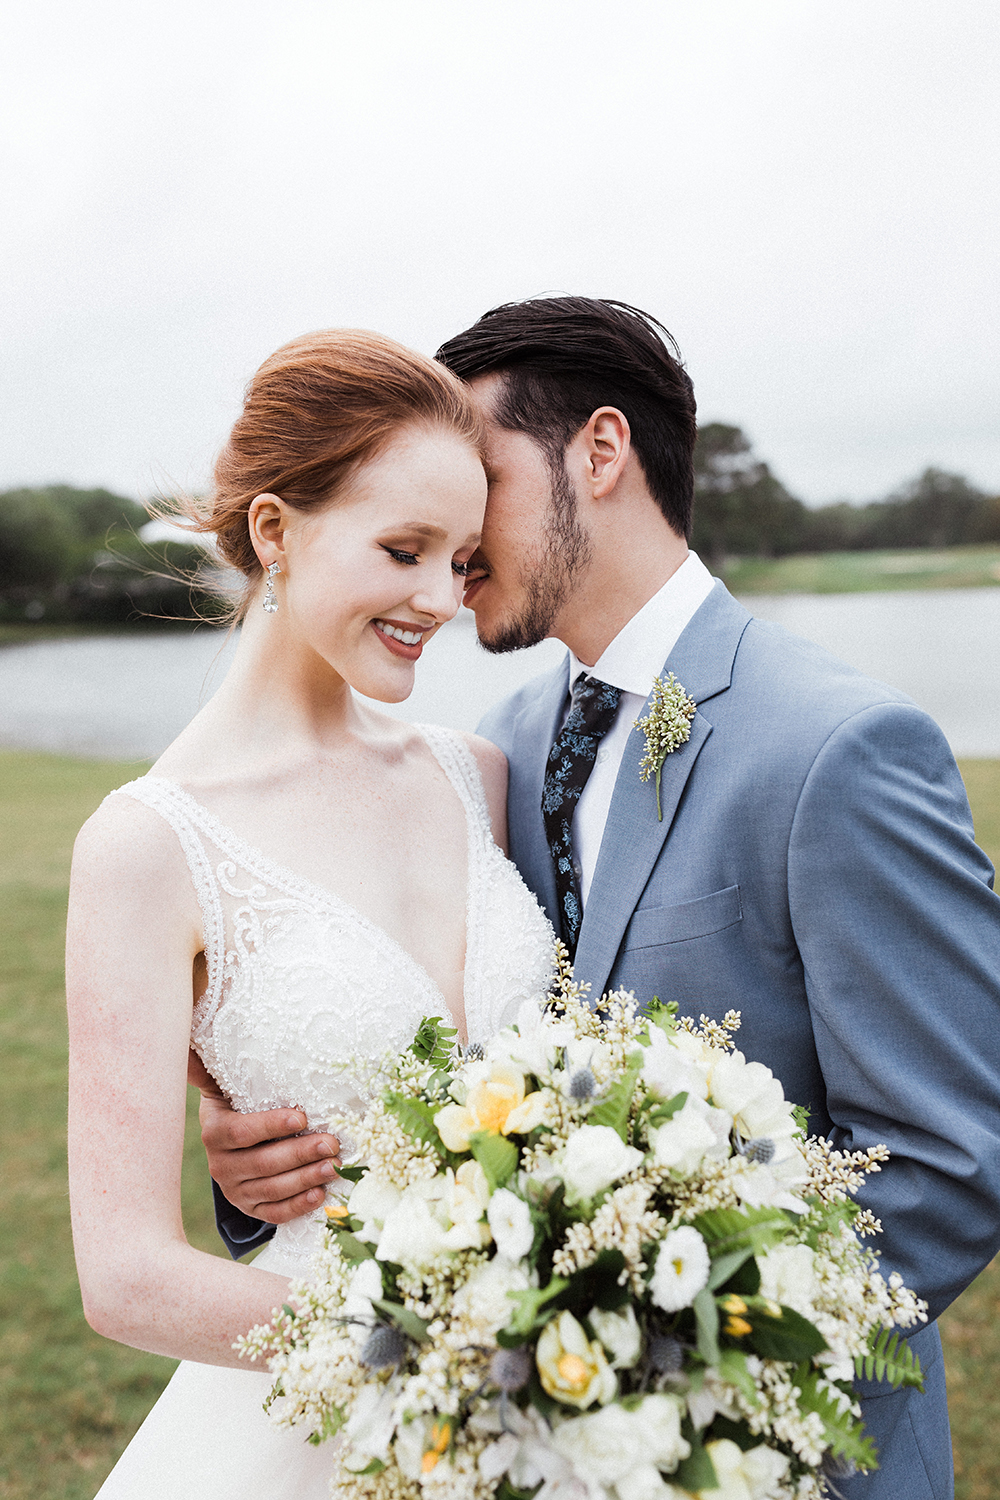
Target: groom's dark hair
<point x="563" y="357"/>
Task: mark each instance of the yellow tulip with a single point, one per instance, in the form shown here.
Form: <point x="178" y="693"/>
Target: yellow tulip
<point x="571" y="1368"/>
<point x="496" y="1104"/>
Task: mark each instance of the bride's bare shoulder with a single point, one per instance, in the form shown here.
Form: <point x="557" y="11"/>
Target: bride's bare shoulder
<point x="127" y="847"/>
<point x="492" y="765"/>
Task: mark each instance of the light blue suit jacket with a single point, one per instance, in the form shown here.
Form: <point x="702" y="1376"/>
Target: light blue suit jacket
<point x="816" y="870"/>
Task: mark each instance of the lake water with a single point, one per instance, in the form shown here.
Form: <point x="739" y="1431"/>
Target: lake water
<point x="128" y="696"/>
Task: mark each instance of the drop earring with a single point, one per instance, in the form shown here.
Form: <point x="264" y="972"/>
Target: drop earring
<point x="270" y="602"/>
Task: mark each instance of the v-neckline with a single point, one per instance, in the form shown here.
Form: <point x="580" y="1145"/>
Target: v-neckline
<point x="274" y="873"/>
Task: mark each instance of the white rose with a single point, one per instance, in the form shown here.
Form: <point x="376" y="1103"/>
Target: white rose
<point x="603" y="1445"/>
<point x="536" y="1043"/>
<point x="745" y="1476"/>
<point x="593" y="1158"/>
<point x="371" y="1200"/>
<point x="645" y="1482"/>
<point x="510" y="1220"/>
<point x="411" y="1234"/>
<point x="365" y="1283"/>
<point x="370" y="1426"/>
<point x="464" y="1200"/>
<point x="619" y="1333"/>
<point x="775" y="1184"/>
<point x="683" y="1142"/>
<point x="410" y="1444"/>
<point x="670" y="1071"/>
<point x="753" y="1096"/>
<point x="660" y="1419"/>
<point x="788" y="1276"/>
<point x="485" y="1300"/>
<point x="682" y="1268"/>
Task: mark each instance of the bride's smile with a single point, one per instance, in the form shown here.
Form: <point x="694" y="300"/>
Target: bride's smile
<point x="368" y="578"/>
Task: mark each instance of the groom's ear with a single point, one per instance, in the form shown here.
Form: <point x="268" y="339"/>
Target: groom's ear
<point x="607" y="444"/>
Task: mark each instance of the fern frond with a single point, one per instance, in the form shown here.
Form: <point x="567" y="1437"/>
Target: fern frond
<point x="845" y="1436"/>
<point x="891" y="1359"/>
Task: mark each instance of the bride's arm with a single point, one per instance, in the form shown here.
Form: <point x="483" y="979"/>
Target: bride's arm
<point x="133" y="933"/>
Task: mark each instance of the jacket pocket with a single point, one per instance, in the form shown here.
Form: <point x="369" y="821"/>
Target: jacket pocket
<point x="653" y="926"/>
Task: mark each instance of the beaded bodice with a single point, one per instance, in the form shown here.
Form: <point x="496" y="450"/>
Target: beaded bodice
<point x="298" y="980"/>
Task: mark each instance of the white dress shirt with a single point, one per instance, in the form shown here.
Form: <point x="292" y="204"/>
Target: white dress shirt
<point x="630" y="662"/>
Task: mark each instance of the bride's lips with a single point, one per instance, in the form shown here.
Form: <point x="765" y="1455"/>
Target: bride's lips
<point x="400" y="648"/>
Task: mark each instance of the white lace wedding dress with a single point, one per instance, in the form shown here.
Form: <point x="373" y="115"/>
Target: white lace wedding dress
<point x="298" y="979"/>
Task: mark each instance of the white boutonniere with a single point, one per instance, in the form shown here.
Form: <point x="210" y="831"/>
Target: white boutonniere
<point x="667" y="726"/>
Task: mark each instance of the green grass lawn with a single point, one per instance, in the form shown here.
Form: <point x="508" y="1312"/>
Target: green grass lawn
<point x="865" y="572"/>
<point x="69" y="1400"/>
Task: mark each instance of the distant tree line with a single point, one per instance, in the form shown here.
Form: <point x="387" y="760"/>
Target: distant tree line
<point x="71" y="555"/>
<point x="742" y="510"/>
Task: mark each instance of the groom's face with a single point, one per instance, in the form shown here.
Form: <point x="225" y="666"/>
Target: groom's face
<point x="533" y="546"/>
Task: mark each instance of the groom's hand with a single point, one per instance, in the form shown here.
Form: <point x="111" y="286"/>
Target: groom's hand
<point x="261" y="1163"/>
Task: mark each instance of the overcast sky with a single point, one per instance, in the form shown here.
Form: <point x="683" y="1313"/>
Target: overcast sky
<point x="805" y="193"/>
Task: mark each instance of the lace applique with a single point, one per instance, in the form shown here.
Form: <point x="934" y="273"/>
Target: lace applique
<point x="299" y="981"/>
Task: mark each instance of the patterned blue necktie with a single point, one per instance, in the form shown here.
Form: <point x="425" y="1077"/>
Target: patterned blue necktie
<point x="571" y="760"/>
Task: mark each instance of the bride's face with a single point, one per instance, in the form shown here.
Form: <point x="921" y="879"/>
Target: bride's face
<point x="369" y="579"/>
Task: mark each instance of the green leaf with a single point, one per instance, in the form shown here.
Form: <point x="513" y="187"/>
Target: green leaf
<point x="374" y="1466"/>
<point x="733" y="1368"/>
<point x="351" y="1174"/>
<point x="406" y="1321"/>
<point x="801" y="1117"/>
<point x="706" y="1317"/>
<point x="506" y="1491"/>
<point x="496" y="1155"/>
<point x="659" y="1114"/>
<point x="727" y="1265"/>
<point x="725" y="1229"/>
<point x="353" y="1249"/>
<point x="597" y="1285"/>
<point x="529" y="1311"/>
<point x="791" y="1337"/>
<point x="695" y="1472"/>
<point x="844" y="1433"/>
<point x="663" y="1016"/>
<point x="332" y="1421"/>
<point x="891" y="1359"/>
<point x="417" y="1119"/>
<point x="614" y="1108"/>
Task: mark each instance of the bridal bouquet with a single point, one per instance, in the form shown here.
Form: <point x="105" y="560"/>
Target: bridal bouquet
<point x="597" y="1261"/>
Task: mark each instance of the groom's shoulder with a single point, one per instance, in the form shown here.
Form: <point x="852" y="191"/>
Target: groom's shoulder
<point x="794" y="676"/>
<point x="498" y="723"/>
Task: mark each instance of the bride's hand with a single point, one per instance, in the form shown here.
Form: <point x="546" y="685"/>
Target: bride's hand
<point x="261" y="1163"/>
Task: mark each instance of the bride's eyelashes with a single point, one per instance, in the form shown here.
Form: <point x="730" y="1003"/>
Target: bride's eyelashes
<point x="410" y="558"/>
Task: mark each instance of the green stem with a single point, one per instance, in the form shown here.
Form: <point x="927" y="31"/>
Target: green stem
<point x="659" y="809"/>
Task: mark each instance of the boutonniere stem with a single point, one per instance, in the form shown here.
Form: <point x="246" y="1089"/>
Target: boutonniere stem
<point x="667" y="726"/>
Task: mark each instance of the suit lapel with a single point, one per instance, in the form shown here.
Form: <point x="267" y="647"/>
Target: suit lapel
<point x="702" y="660"/>
<point x="533" y="731"/>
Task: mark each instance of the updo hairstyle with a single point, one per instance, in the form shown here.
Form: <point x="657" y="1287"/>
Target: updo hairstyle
<point x="315" y="411"/>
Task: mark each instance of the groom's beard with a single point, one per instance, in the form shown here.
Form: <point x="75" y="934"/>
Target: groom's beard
<point x="548" y="579"/>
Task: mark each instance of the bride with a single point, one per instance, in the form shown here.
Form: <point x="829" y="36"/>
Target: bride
<point x="298" y="880"/>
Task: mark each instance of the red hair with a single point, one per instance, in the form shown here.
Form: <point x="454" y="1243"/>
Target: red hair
<point x="316" y="410"/>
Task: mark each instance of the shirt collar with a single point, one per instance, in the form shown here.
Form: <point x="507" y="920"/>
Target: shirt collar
<point x="638" y="651"/>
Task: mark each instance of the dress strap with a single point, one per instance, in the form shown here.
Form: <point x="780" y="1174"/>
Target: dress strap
<point x="161" y="796"/>
<point x="460" y="766"/>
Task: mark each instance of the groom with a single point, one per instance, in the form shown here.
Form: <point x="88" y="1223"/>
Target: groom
<point x="814" y="866"/>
